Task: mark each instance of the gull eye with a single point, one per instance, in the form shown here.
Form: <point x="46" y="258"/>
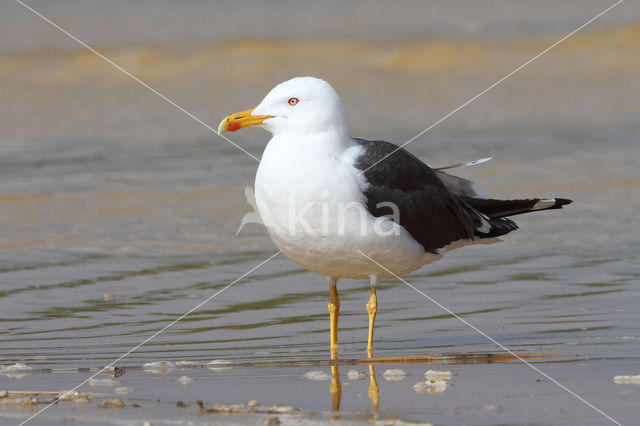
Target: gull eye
<point x="293" y="101"/>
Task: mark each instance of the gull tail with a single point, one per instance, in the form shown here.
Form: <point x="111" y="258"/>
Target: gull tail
<point x="493" y="213"/>
<point x="496" y="209"/>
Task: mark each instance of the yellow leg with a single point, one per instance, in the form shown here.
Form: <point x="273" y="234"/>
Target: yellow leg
<point x="372" y="309"/>
<point x="334" y="311"/>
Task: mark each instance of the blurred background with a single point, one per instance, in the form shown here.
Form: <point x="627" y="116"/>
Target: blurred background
<point x="108" y="190"/>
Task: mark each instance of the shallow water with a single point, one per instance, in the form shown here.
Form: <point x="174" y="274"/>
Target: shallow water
<point x="118" y="214"/>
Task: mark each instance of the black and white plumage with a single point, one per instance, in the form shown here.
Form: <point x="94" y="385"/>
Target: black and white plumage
<point x="432" y="212"/>
<point x="331" y="203"/>
<point x="324" y="196"/>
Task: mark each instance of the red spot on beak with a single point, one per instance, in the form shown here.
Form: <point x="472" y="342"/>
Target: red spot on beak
<point x="240" y="120"/>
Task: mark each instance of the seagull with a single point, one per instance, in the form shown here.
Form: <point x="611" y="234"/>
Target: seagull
<point x="344" y="207"/>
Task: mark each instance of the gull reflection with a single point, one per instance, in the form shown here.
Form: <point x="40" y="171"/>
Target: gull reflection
<point x="335" y="388"/>
<point x="436" y="382"/>
<point x="374" y="390"/>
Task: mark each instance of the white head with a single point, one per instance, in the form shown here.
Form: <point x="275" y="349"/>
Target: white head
<point x="301" y="105"/>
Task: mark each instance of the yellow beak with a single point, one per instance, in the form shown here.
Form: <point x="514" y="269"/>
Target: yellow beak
<point x="241" y="119"/>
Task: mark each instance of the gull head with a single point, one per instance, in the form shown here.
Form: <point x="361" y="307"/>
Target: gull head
<point x="301" y="105"/>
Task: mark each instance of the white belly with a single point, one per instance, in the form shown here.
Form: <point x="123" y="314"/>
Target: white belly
<point x="315" y="212"/>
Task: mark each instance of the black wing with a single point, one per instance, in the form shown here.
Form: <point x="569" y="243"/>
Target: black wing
<point x="428" y="210"/>
<point x="502" y="208"/>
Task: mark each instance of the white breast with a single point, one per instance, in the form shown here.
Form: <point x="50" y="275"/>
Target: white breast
<point x="310" y="198"/>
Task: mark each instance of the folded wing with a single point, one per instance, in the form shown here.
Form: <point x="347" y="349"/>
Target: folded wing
<point x="436" y="208"/>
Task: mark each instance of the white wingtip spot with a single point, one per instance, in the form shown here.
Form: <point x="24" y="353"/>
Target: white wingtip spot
<point x="480" y="161"/>
<point x="486" y="226"/>
<point x="544" y="204"/>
